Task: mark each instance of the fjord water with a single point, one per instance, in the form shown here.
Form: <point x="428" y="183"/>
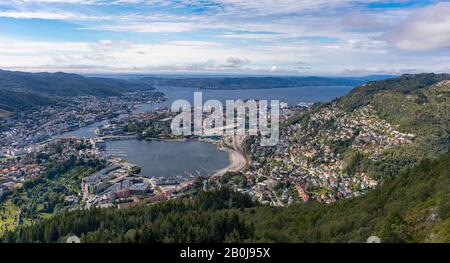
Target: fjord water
<point x="292" y="96"/>
<point x="171" y="159"/>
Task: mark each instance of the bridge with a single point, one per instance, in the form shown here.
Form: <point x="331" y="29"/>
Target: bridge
<point x="115" y="137"/>
<point x="99" y="138"/>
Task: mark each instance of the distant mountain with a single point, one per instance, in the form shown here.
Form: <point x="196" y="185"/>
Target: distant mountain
<point x="21" y="90"/>
<point x="405" y="84"/>
<point x="64" y="84"/>
<point x="257" y="82"/>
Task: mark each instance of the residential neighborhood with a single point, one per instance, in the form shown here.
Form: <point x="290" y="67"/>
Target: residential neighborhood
<point x="311" y="159"/>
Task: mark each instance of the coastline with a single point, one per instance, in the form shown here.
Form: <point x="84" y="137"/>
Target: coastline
<point x="237" y="162"/>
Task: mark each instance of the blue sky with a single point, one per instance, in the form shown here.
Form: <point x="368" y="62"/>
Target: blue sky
<point x="294" y="37"/>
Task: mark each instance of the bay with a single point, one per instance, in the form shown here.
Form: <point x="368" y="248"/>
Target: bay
<point x="172" y="159"/>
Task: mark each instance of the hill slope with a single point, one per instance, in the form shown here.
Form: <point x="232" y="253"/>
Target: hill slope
<point x="417" y="104"/>
<point x="22" y="90"/>
<point x="414" y="207"/>
<point x="405" y="84"/>
<point x="256" y="82"/>
<point x="20" y="100"/>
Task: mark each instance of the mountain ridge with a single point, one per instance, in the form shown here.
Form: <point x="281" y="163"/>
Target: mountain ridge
<point x="41" y="89"/>
<point x="249" y="82"/>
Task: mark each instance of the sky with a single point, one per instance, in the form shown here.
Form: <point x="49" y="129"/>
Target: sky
<point x="273" y="37"/>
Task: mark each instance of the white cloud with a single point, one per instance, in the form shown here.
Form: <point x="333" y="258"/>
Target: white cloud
<point x="82" y="2"/>
<point x="252" y="35"/>
<point x="360" y="20"/>
<point x="49" y="15"/>
<point x="149" y="27"/>
<point x="199" y="44"/>
<point x="427" y="29"/>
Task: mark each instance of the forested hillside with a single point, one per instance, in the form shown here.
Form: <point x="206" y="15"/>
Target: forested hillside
<point x="257" y="82"/>
<point x="405" y="84"/>
<point x="22" y="90"/>
<point x="204" y="219"/>
<point x="417" y="104"/>
<point x="414" y="207"/>
<point x="18" y="101"/>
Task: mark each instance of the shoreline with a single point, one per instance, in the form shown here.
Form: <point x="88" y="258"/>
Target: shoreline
<point x="237" y="162"/>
